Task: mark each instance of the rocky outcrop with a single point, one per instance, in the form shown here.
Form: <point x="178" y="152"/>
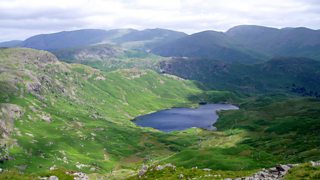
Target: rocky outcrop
<point x="169" y="165"/>
<point x="80" y="176"/>
<point x="274" y="173"/>
<point x="8" y="113"/>
<point x="143" y="170"/>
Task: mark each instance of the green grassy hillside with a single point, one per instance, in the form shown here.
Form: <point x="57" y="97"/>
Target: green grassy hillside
<point x="299" y="76"/>
<point x="74" y="117"/>
<point x="108" y="57"/>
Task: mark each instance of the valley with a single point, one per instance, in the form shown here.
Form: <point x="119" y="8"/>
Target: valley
<point x="68" y="107"/>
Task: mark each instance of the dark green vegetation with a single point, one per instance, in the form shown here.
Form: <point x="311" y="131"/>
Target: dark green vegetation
<point x="287" y="75"/>
<point x="286" y="128"/>
<point x="304" y="171"/>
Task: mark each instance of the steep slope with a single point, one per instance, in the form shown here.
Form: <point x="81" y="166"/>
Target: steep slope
<point x="207" y="44"/>
<point x="298" y="75"/>
<point x="70" y="116"/>
<point x="76" y="117"/>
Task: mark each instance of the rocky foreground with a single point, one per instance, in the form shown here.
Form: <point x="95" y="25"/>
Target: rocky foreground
<point x="275" y="173"/>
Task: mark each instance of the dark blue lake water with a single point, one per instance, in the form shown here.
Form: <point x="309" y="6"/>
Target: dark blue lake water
<point x="176" y="119"/>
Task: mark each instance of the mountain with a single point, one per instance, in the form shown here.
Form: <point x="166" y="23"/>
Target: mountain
<point x="66" y="39"/>
<point x="276" y="75"/>
<point x="58" y="118"/>
<point x="87" y="37"/>
<point x="207" y="44"/>
<point x="149" y="37"/>
<point x="246" y="43"/>
<point x="299" y="42"/>
<point x="13" y="43"/>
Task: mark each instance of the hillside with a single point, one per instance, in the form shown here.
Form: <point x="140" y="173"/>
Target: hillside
<point x="298" y="75"/>
<point x="72" y="117"/>
<point x="108" y="57"/>
<point x="73" y="114"/>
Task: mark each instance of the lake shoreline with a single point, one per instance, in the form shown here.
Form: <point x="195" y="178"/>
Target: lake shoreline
<point x="180" y="118"/>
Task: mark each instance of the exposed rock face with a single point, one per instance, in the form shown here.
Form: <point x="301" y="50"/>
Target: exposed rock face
<point x="45" y="117"/>
<point x="80" y="176"/>
<point x="53" y="178"/>
<point x="100" y="78"/>
<point x="315" y="163"/>
<point x="8" y="113"/>
<point x="33" y="87"/>
<point x="143" y="170"/>
<point x="275" y="173"/>
<point x="169" y="165"/>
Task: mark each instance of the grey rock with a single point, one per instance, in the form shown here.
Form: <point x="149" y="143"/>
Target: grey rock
<point x="315" y="164"/>
<point x="53" y="178"/>
<point x="159" y="167"/>
<point x="80" y="176"/>
<point x="143" y="170"/>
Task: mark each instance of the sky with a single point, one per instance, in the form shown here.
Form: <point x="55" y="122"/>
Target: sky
<point x="20" y="19"/>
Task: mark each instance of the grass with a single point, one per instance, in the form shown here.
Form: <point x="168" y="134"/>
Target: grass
<point x="287" y="128"/>
<point x="304" y="172"/>
<point x="91" y="131"/>
<point x="91" y="127"/>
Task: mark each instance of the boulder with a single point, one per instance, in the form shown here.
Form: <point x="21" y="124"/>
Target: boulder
<point x="53" y="178"/>
<point x="143" y="170"/>
<point x="315" y="164"/>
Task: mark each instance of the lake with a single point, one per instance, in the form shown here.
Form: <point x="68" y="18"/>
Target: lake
<point x="176" y="119"/>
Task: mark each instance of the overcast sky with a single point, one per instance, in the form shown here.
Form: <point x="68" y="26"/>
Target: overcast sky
<point x="20" y="19"/>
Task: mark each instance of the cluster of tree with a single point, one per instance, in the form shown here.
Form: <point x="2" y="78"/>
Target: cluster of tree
<point x="304" y="92"/>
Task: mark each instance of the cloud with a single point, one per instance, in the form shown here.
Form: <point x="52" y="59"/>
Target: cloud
<point x="20" y="19"/>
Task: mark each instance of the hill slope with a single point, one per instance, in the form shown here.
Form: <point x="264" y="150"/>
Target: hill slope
<point x="72" y="114"/>
<point x="77" y="118"/>
<point x="276" y="75"/>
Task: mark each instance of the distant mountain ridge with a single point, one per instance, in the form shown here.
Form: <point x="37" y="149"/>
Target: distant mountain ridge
<point x="89" y="37"/>
<point x="246" y="43"/>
